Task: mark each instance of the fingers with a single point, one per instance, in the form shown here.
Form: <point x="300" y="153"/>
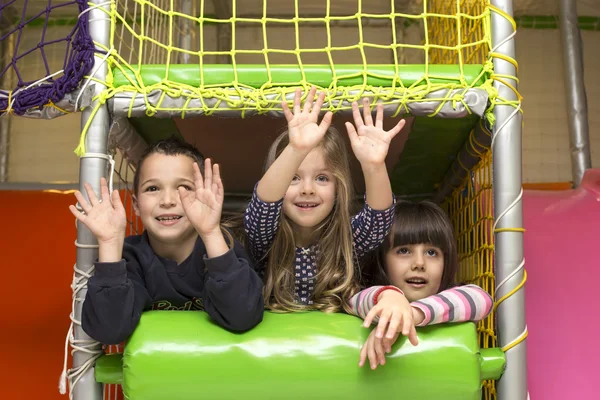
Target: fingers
<point x="352" y="134"/>
<point x="363" y="353"/>
<point x="379" y="116"/>
<point x="319" y="103"/>
<point x="198" y="181"/>
<point x="326" y="121"/>
<point x="297" y="101"/>
<point x="396" y="129"/>
<point x="286" y="111"/>
<point x="412" y="336"/>
<point x="370" y="316"/>
<point x="208" y="174"/>
<point x="379" y="351"/>
<point x="104" y="194"/>
<point x="76" y="213"/>
<point x="218" y="184"/>
<point x="383" y="322"/>
<point x="91" y="195"/>
<point x="308" y="103"/>
<point x="356" y="115"/>
<point x="393" y="326"/>
<point x="367" y="112"/>
<point x="371" y="354"/>
<point x="116" y="200"/>
<point x="85" y="206"/>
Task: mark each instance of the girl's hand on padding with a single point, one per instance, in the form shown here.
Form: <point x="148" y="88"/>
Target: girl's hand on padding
<point x="375" y="349"/>
<point x="105" y="218"/>
<point x="303" y="130"/>
<point x="204" y="205"/>
<point x="370" y="143"/>
<point x="395" y="316"/>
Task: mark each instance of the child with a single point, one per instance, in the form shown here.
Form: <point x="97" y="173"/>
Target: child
<point x="182" y="261"/>
<point x="420" y="259"/>
<point x="298" y="222"/>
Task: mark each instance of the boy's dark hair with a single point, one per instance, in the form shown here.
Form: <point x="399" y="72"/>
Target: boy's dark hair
<point x="169" y="147"/>
<point x="415" y="223"/>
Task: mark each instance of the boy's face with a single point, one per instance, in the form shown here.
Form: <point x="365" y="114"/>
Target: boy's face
<point x="416" y="269"/>
<point x="157" y="202"/>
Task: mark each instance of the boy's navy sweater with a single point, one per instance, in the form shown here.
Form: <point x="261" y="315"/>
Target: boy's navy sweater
<point x="226" y="287"/>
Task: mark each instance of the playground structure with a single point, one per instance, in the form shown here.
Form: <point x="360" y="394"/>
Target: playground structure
<point x="130" y="63"/>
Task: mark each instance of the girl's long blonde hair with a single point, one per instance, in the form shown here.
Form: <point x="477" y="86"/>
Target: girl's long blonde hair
<point x="335" y="281"/>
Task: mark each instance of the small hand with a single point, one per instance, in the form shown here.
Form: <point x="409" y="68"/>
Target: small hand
<point x="393" y="311"/>
<point x="105" y="218"/>
<point x="303" y="130"/>
<point x="370" y="143"/>
<point x="373" y="350"/>
<point x="204" y="205"/>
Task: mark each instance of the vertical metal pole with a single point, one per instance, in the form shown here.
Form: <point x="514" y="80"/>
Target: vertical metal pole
<point x="577" y="114"/>
<point x="510" y="316"/>
<point x="7" y="48"/>
<point x="90" y="171"/>
<point x="185" y="41"/>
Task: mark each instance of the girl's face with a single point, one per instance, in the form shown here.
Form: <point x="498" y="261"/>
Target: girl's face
<point x="311" y="195"/>
<point x="416" y="269"/>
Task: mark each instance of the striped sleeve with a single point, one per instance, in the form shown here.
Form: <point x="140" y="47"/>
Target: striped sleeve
<point x="459" y="304"/>
<point x="362" y="302"/>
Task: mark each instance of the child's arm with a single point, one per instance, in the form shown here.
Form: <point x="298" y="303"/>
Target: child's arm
<point x="115" y="301"/>
<point x="459" y="304"/>
<point x="370" y="144"/>
<point x="304" y="135"/>
<point x="116" y="294"/>
<point x="261" y="219"/>
<point x="232" y="290"/>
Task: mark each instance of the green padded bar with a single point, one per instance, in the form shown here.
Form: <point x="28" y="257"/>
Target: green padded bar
<point x="493" y="362"/>
<point x="256" y="75"/>
<point x="109" y="369"/>
<point x="183" y="355"/>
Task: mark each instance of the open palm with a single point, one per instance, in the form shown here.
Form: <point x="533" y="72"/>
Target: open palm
<point x="303" y="129"/>
<point x="105" y="218"/>
<point x="204" y="205"/>
<point x="370" y="143"/>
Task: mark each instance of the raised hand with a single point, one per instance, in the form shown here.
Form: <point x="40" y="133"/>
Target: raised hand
<point x="303" y="130"/>
<point x="105" y="218"/>
<point x="204" y="205"/>
<point x="369" y="141"/>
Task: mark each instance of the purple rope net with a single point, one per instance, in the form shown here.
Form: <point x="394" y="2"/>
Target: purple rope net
<point x="78" y="51"/>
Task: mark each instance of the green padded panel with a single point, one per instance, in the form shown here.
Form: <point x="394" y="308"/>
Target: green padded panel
<point x="429" y="152"/>
<point x="154" y="129"/>
<point x="183" y="355"/>
<point x="255" y="75"/>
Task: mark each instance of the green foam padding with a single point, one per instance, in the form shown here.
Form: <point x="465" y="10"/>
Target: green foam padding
<point x="184" y="355"/>
<point x="256" y="75"/>
<point x="109" y="369"/>
<point x="430" y="150"/>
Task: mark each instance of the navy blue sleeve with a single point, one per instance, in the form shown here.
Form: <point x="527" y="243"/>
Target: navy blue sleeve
<point x="233" y="291"/>
<point x="114" y="302"/>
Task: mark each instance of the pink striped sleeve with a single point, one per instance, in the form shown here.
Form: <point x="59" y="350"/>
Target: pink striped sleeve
<point x="459" y="304"/>
<point x="362" y="302"/>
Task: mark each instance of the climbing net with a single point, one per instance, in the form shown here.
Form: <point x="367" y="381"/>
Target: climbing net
<point x="45" y="52"/>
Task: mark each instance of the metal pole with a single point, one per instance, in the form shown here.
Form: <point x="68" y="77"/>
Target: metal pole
<point x="577" y="114"/>
<point x="90" y="171"/>
<point x="185" y="41"/>
<point x="7" y="48"/>
<point x="506" y="152"/>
